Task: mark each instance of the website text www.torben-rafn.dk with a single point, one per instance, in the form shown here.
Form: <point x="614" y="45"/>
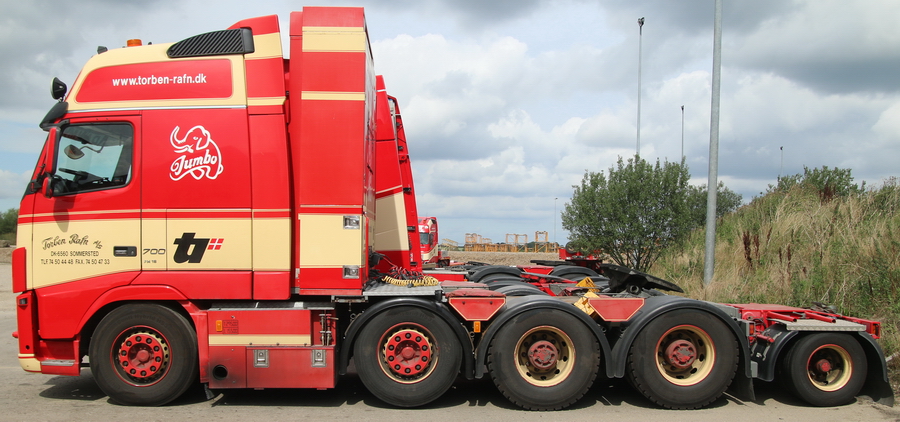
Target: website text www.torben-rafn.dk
<point x="160" y="80"/>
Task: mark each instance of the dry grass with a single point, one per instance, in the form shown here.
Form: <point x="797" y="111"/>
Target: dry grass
<point x="794" y="248"/>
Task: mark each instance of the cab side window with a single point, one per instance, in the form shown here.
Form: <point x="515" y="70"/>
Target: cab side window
<point x="93" y="157"/>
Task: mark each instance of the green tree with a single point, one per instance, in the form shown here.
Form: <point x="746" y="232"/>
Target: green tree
<point x="827" y="182"/>
<point x="727" y="201"/>
<point x="632" y="213"/>
<point x="8" y="221"/>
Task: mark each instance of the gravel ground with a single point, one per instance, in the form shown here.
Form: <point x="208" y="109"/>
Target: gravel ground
<point x="501" y="258"/>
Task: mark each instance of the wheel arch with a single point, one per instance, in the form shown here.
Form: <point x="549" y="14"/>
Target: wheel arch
<point x="521" y="304"/>
<point x="441" y="311"/>
<point x="877" y="385"/>
<point x="657" y="306"/>
<point x="89" y="324"/>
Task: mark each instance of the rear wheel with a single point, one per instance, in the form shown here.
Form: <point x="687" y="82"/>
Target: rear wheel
<point x="826" y="369"/>
<point x="683" y="359"/>
<point x="544" y="359"/>
<point x="407" y="356"/>
<point x="144" y="355"/>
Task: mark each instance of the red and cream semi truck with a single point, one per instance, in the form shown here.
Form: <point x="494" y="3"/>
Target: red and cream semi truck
<point x="428" y="242"/>
<point x="208" y="211"/>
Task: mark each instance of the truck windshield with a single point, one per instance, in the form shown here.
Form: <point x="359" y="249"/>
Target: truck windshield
<point x="93" y="156"/>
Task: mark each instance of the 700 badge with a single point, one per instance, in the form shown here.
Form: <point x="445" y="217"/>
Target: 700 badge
<point x="153" y="252"/>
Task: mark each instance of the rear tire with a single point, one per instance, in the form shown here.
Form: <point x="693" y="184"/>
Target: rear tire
<point x="544" y="359"/>
<point x="144" y="355"/>
<point x="482" y="273"/>
<point x="826" y="369"/>
<point x="520" y="289"/>
<point x="573" y="272"/>
<point x="407" y="356"/>
<point x="683" y="359"/>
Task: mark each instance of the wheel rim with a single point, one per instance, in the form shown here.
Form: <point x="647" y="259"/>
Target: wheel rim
<point x="407" y="353"/>
<point x="829" y="367"/>
<point x="685" y="355"/>
<point x="544" y="356"/>
<point x="141" y="356"/>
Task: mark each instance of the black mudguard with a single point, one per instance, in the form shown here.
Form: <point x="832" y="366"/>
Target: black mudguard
<point x="517" y="305"/>
<point x="655" y="306"/>
<point x="769" y="355"/>
<point x="439" y="310"/>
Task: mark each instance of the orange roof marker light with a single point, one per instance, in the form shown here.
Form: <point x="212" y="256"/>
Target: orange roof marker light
<point x="134" y="43"/>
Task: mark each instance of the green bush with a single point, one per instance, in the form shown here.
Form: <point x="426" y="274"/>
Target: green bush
<point x="8" y="222"/>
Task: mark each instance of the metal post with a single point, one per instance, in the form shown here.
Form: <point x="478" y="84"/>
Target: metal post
<point x="640" y="40"/>
<point x="713" y="184"/>
<point x="682" y="133"/>
<point x="554" y="219"/>
<point x="781" y="170"/>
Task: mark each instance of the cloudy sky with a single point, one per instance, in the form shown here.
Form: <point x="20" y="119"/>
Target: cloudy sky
<point x="508" y="102"/>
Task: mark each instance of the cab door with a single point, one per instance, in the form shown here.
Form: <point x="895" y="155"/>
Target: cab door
<point x="87" y="221"/>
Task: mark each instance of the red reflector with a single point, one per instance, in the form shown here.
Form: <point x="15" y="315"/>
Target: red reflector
<point x="15" y="334"/>
<point x="476" y="304"/>
<point x="616" y="309"/>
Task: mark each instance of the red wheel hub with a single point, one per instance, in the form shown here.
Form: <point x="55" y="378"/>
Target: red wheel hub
<point x="824" y="366"/>
<point x="141" y="356"/>
<point x="408" y="353"/>
<point x="543" y="355"/>
<point x="681" y="354"/>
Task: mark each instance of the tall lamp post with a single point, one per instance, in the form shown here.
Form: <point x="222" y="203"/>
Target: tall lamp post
<point x="682" y="133"/>
<point x="712" y="190"/>
<point x="554" y="219"/>
<point x="640" y="42"/>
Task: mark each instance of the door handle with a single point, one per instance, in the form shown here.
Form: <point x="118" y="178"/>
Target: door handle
<point x="124" y="251"/>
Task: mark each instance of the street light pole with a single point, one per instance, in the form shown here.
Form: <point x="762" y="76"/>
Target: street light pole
<point x="682" y="133"/>
<point x="781" y="171"/>
<point x="554" y="219"/>
<point x="713" y="184"/>
<point x="640" y="46"/>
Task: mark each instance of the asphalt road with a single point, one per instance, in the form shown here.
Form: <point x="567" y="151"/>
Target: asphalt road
<point x="37" y="397"/>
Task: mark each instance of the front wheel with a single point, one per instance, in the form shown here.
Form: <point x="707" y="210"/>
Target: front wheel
<point x="544" y="359"/>
<point x="407" y="356"/>
<point x="144" y="355"/>
<point x="826" y="369"/>
<point x="683" y="359"/>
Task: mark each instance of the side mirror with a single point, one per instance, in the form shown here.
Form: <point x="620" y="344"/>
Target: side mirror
<point x="73" y="152"/>
<point x="47" y="186"/>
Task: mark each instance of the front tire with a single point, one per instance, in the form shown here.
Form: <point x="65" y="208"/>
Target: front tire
<point x="683" y="359"/>
<point x="407" y="356"/>
<point x="544" y="359"/>
<point x="826" y="369"/>
<point x="144" y="355"/>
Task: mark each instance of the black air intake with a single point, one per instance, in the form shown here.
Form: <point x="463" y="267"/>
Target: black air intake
<point x="216" y="43"/>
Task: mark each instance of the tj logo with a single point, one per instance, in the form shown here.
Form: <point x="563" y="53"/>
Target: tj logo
<point x="191" y="249"/>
